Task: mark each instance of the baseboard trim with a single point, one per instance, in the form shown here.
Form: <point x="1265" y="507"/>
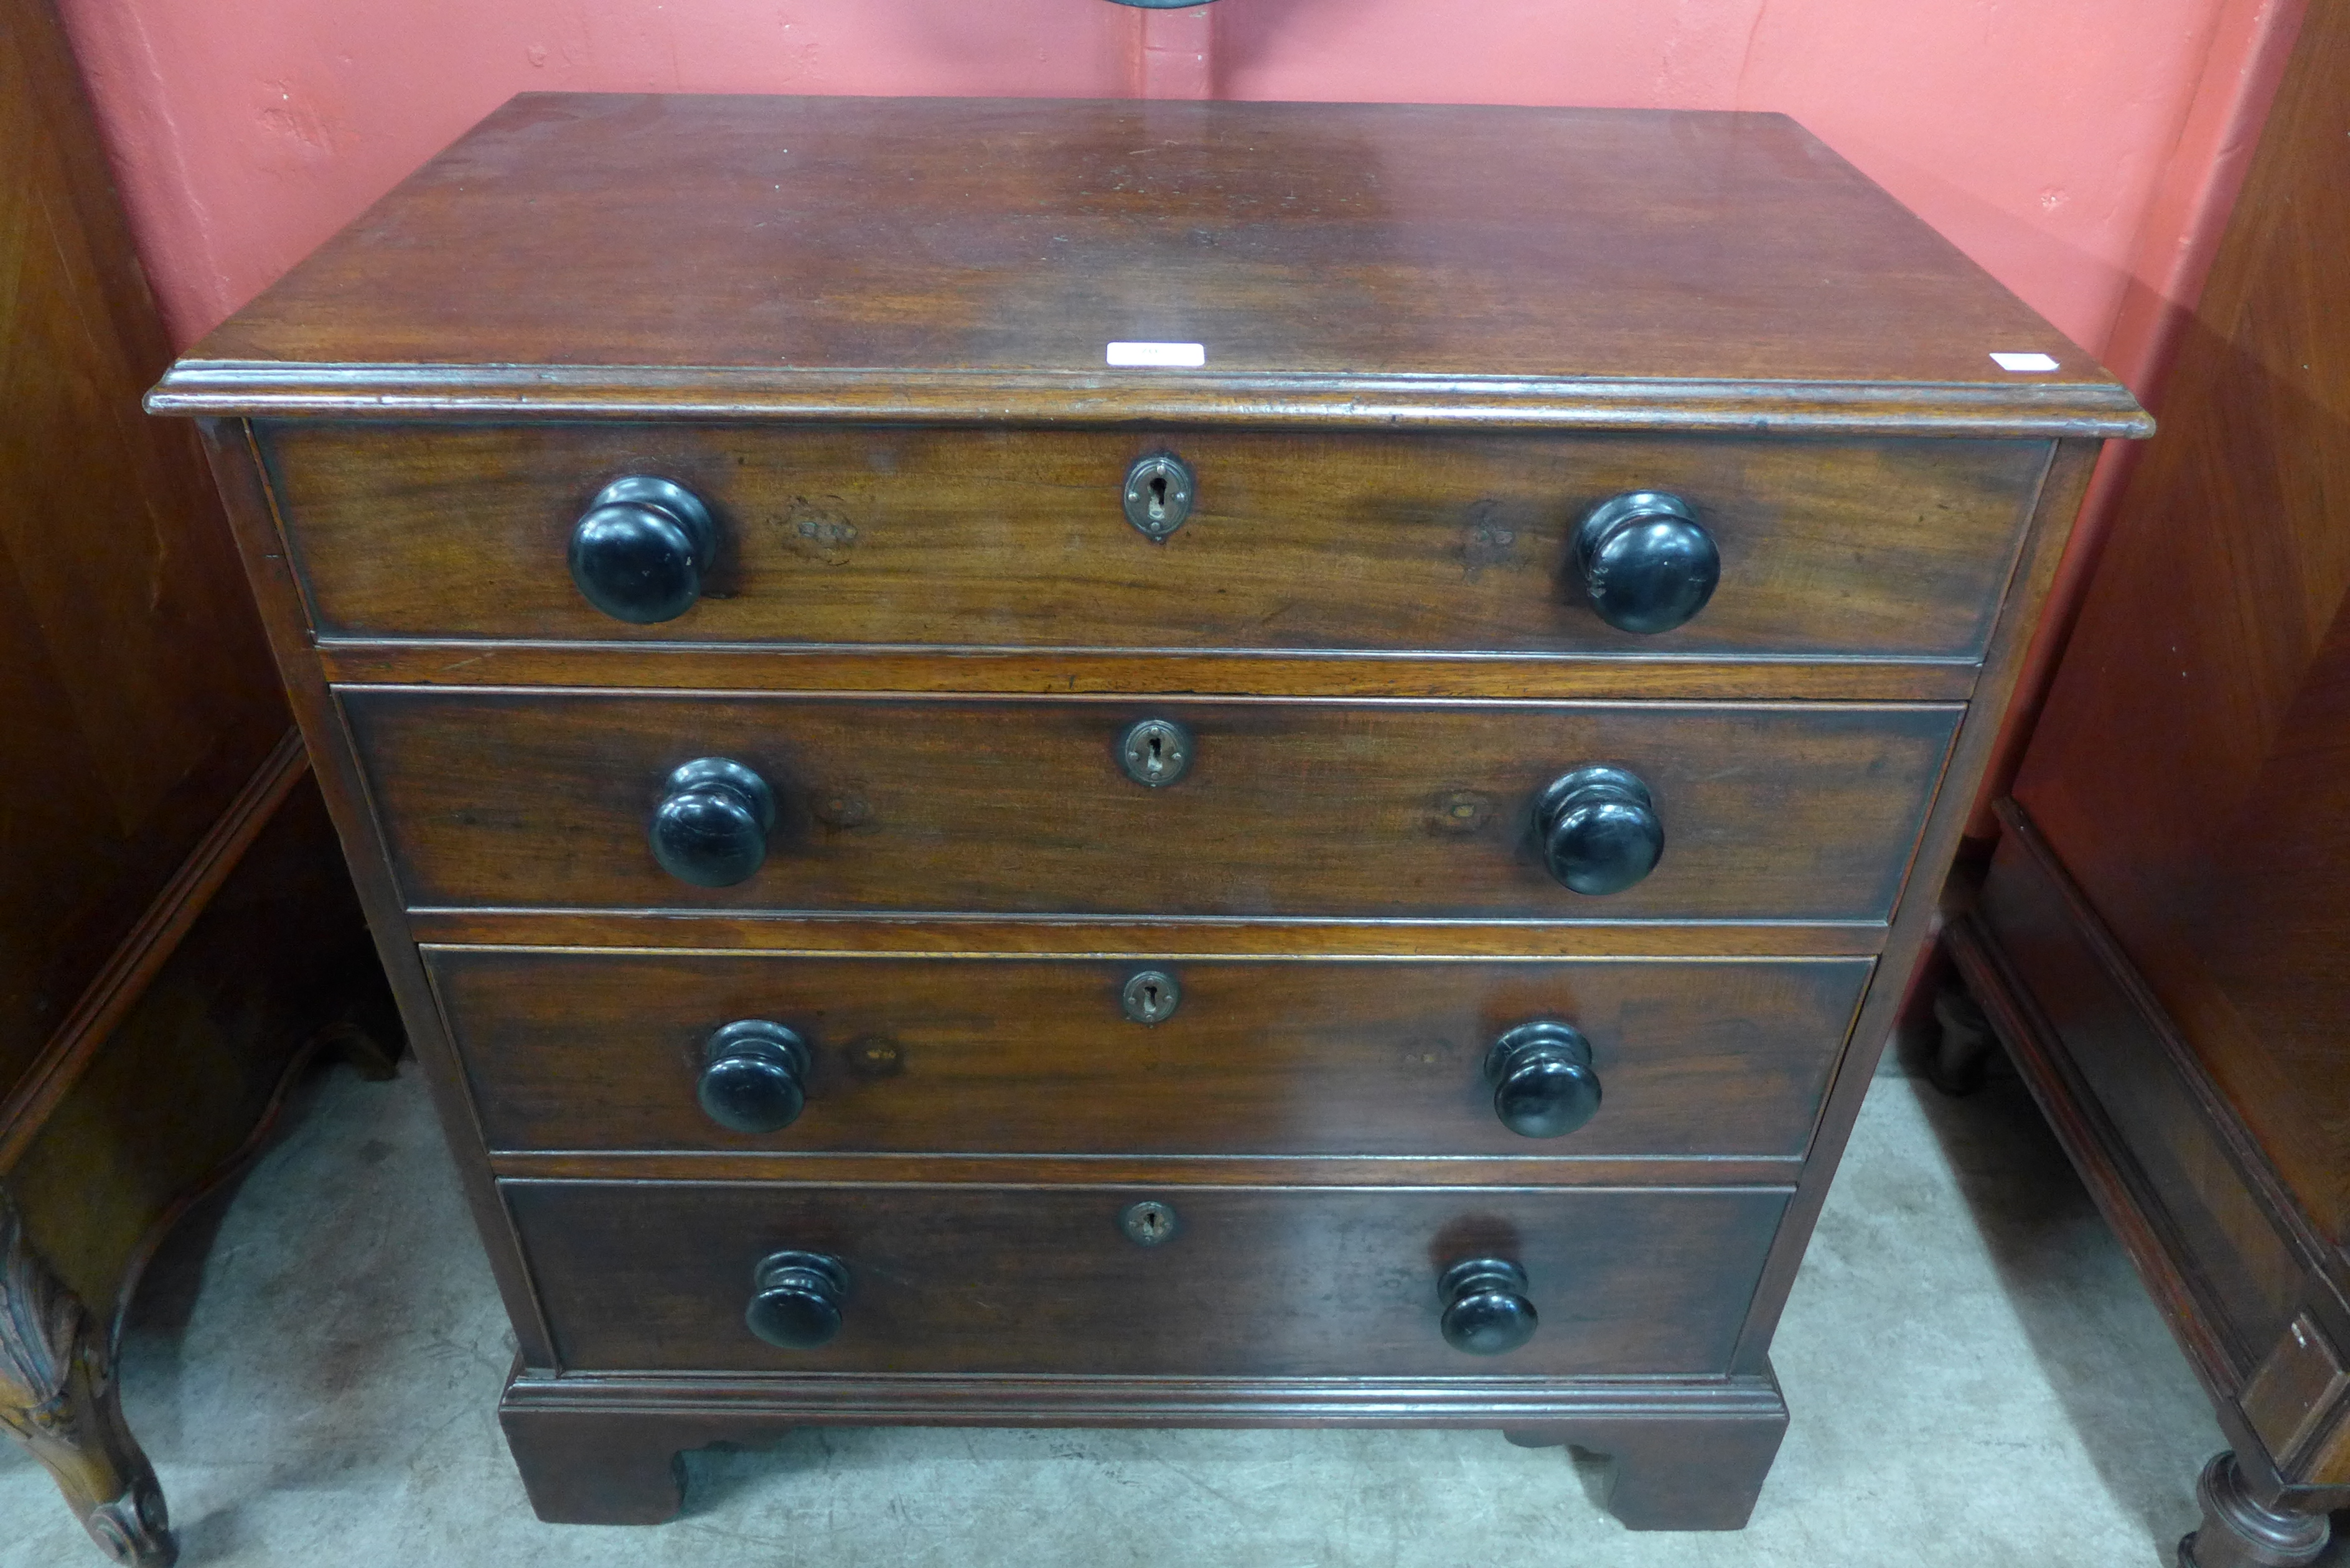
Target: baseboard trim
<point x="151" y="941"/>
<point x="900" y="1399"/>
<point x="2196" y="1206"/>
<point x="2125" y="1195"/>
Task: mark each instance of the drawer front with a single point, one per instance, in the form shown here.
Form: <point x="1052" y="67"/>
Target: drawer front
<point x="579" y="1050"/>
<point x="1288" y="808"/>
<point x="1019" y="539"/>
<point x="1254" y="1281"/>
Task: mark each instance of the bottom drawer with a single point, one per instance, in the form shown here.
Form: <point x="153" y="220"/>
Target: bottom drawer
<point x="1249" y="1281"/>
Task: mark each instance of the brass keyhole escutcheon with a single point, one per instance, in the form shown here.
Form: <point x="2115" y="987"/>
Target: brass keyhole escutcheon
<point x="1158" y="496"/>
<point x="1150" y="996"/>
<point x="1149" y="1223"/>
<point x="1155" y="753"/>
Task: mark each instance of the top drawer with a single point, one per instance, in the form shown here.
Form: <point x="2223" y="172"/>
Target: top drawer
<point x="1019" y="538"/>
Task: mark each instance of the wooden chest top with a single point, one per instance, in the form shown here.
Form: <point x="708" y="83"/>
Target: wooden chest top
<point x="927" y="259"/>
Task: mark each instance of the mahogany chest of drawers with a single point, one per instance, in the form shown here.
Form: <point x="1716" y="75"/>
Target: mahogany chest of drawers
<point x="1034" y="763"/>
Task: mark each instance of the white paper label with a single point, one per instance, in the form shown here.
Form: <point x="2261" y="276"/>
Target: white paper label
<point x="1177" y="356"/>
<point x="2024" y="362"/>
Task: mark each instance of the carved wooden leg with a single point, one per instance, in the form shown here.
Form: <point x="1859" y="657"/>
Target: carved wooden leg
<point x="2239" y="1530"/>
<point x="58" y="1396"/>
<point x="1687" y="1475"/>
<point x="585" y="1468"/>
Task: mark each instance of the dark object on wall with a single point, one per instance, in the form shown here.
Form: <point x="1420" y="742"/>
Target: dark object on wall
<point x="1178" y="1102"/>
<point x="2163" y="937"/>
<point x="175" y="931"/>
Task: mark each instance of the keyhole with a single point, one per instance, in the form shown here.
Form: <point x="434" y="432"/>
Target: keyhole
<point x="1149" y="1223"/>
<point x="1154" y="751"/>
<point x="1159" y="490"/>
<point x="1150" y="996"/>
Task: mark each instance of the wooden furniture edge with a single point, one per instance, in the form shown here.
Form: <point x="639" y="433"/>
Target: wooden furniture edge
<point x="262" y="390"/>
<point x="960" y="1399"/>
<point x="1689" y="1453"/>
<point x="2125" y="1195"/>
<point x="2062" y="487"/>
<point x="135" y="961"/>
<point x="1331" y="674"/>
<point x="252" y="517"/>
<point x="2311" y="1249"/>
<point x="681" y="933"/>
<point x="2119" y="1186"/>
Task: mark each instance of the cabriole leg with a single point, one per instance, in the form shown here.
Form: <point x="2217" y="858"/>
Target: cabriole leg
<point x="58" y="1398"/>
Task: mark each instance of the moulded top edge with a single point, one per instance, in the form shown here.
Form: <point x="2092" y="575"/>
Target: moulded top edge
<point x="459" y="391"/>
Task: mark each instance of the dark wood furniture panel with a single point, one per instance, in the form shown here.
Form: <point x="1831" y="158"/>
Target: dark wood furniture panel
<point x="869" y="536"/>
<point x="2118" y="1057"/>
<point x="1271" y="1282"/>
<point x="1400" y="288"/>
<point x="134" y="664"/>
<point x="175" y="927"/>
<point x="1375" y="809"/>
<point x="2163" y="936"/>
<point x="1009" y="1055"/>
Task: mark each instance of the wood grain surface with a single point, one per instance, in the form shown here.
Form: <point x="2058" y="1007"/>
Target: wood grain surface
<point x="803" y="934"/>
<point x="135" y="692"/>
<point x="2191" y="768"/>
<point x="592" y="1051"/>
<point x="768" y="667"/>
<point x="935" y="258"/>
<point x="1042" y="1279"/>
<point x="2164" y="930"/>
<point x="1015" y="538"/>
<point x="1383" y="809"/>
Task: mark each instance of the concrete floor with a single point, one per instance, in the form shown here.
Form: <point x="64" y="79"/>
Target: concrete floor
<point x="1976" y="1376"/>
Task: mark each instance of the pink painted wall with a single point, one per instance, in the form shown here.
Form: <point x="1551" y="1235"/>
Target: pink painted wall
<point x="2036" y="136"/>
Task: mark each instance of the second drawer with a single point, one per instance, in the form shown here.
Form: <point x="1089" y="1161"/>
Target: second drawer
<point x="1263" y="807"/>
<point x="1015" y="1055"/>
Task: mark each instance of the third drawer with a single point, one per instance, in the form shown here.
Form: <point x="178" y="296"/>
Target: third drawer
<point x="1022" y="1056"/>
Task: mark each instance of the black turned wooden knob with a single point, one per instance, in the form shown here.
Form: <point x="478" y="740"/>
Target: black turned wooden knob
<point x="1647" y="562"/>
<point x="1543" y="1083"/>
<point x="1600" y="829"/>
<point x="795" y="1299"/>
<point x="639" y="549"/>
<point x="712" y="825"/>
<point x="1485" y="1308"/>
<point x="753" y="1076"/>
